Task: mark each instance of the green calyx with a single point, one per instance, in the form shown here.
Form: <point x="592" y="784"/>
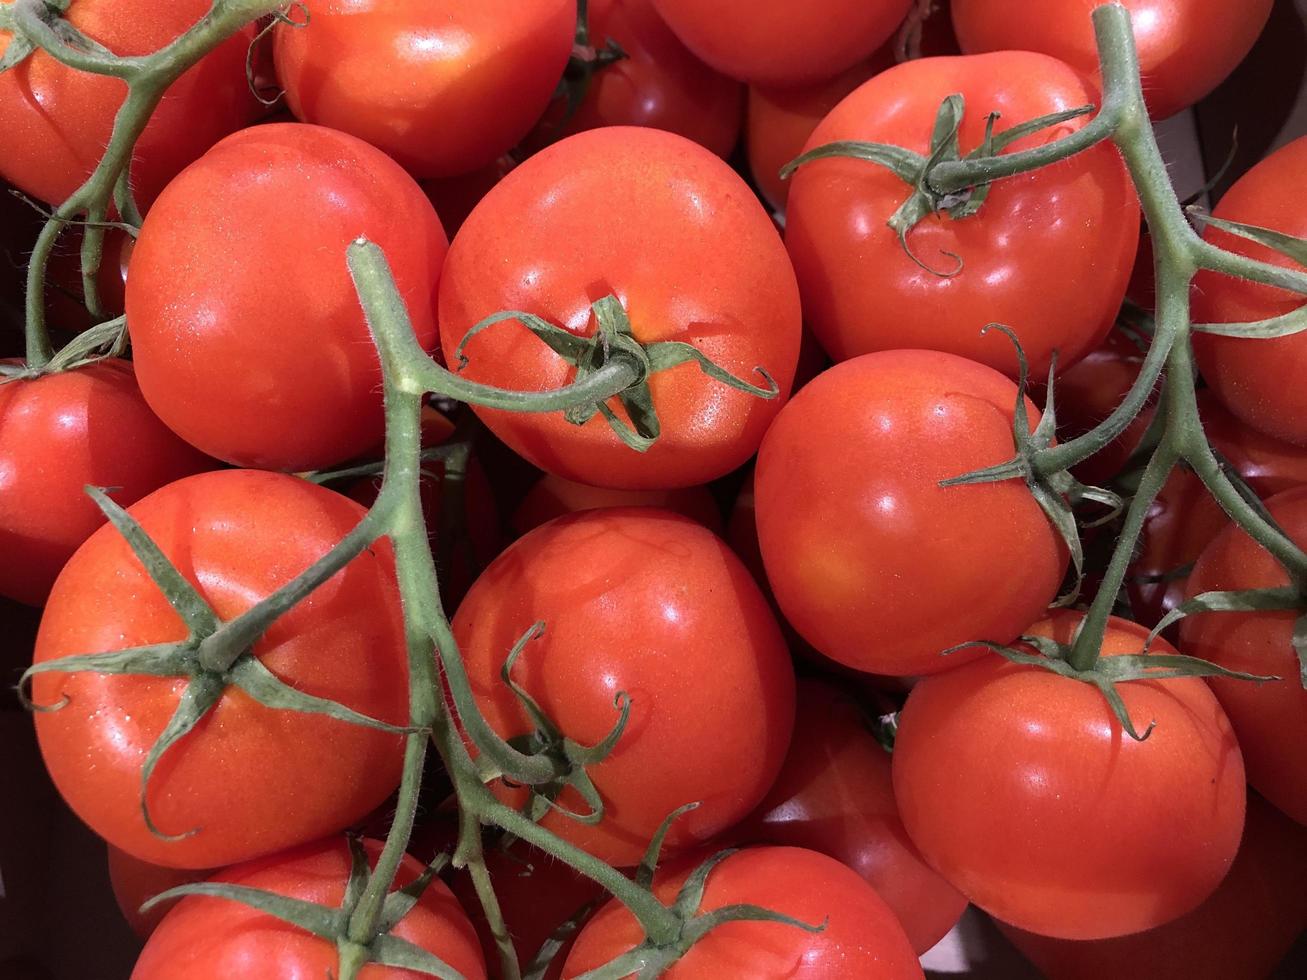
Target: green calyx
<point x="915" y="170"/>
<point x="1056" y="492"/>
<point x="1109" y="672"/>
<point x="213" y="657"/>
<point x="586" y="61"/>
<point x="652" y="959"/>
<point x="611" y="341"/>
<point x="570" y="758"/>
<point x="1284" y="325"/>
<point x="332" y="924"/>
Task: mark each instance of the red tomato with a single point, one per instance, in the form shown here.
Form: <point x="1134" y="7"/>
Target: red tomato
<point x="1022" y="789"/>
<point x="207" y="938"/>
<point x="1270" y="718"/>
<point x="455" y="197"/>
<point x="649" y="603"/>
<point x="57" y="120"/>
<point x="1086" y="394"/>
<point x="552" y="496"/>
<point x="861" y="937"/>
<point x="59" y="433"/>
<point x="835" y="795"/>
<point x="444" y="87"/>
<point x="1256" y="379"/>
<point x="862" y="291"/>
<point x="780" y="120"/>
<point x="1241" y="933"/>
<point x="135" y="882"/>
<point x="247" y="333"/>
<point x="248" y="780"/>
<point x="659" y="83"/>
<point x="692" y="256"/>
<point x="769" y="42"/>
<point x="537" y="894"/>
<point x="1185" y="517"/>
<point x="1186" y="47"/>
<point x="873" y="562"/>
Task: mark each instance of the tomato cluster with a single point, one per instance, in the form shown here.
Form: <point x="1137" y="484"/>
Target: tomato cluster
<point x="798" y="742"/>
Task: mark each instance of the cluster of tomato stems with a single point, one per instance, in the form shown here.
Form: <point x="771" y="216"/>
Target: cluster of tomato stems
<point x="410" y="375"/>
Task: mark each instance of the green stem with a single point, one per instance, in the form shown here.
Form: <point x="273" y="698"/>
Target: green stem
<point x="510" y="968"/>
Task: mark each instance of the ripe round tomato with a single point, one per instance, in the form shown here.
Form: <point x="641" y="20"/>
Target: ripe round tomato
<point x="58" y="434"/>
<point x="659" y="84"/>
<point x="769" y="42"/>
<point x="247" y="333"/>
<point x="780" y="120"/>
<point x="1270" y="718"/>
<point x="649" y="603"/>
<point x="1241" y="933"/>
<point x="135" y="882"/>
<point x="444" y="87"/>
<point x="537" y="893"/>
<point x="873" y="562"/>
<point x="1021" y="788"/>
<point x="552" y="496"/>
<point x="861" y="937"/>
<point x="1256" y="379"/>
<point x="692" y="256"/>
<point x="861" y="290"/>
<point x="1186" y="47"/>
<point x="248" y="780"/>
<point x="206" y="938"/>
<point x="835" y="795"/>
<point x="1186" y="517"/>
<point x="57" y="120"/>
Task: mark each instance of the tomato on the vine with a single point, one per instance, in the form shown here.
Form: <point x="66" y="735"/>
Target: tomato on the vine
<point x="1186" y="47"/>
<point x="1257" y="379"/>
<point x="248" y="780"/>
<point x="873" y="562"/>
<point x="60" y="433"/>
<point x="443" y="86"/>
<point x="1024" y="259"/>
<point x="859" y="936"/>
<point x="771" y="42"/>
<point x="209" y="938"/>
<point x="1022" y="789"/>
<point x="1270" y="718"/>
<point x="57" y="119"/>
<point x="683" y="244"/>
<point x="835" y="795"/>
<point x="650" y="604"/>
<point x="247" y="333"/>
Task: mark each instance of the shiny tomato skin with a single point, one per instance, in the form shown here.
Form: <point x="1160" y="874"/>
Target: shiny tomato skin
<point x="1241" y="933"/>
<point x="552" y="496"/>
<point x="862" y="292"/>
<point x="874" y="563"/>
<point x="1021" y="788"/>
<point x="685" y="246"/>
<point x="135" y="882"/>
<point x="835" y="795"/>
<point x="780" y="120"/>
<point x="57" y="120"/>
<point x="1257" y="380"/>
<point x="240" y="297"/>
<point x="207" y="938"/>
<point x="1270" y="718"/>
<point x="444" y="87"/>
<point x="250" y="780"/>
<point x="650" y="603"/>
<point x="58" y="434"/>
<point x="659" y="84"/>
<point x="861" y="937"/>
<point x="770" y="42"/>
<point x="1186" y="47"/>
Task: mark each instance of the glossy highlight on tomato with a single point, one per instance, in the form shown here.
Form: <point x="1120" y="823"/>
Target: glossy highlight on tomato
<point x="1027" y="259"/>
<point x="1022" y="789"/>
<point x="248" y="780"/>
